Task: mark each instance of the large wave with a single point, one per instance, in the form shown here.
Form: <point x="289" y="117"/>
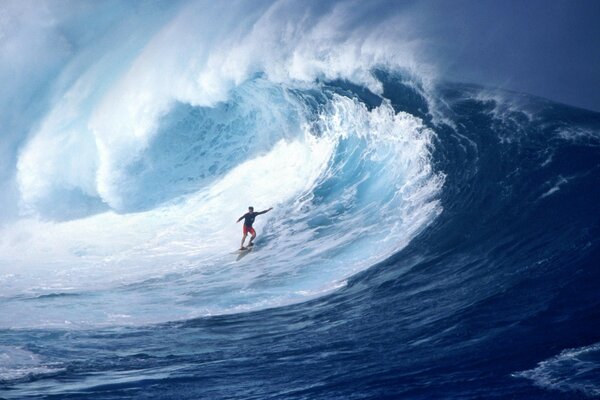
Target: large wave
<point x="130" y="183"/>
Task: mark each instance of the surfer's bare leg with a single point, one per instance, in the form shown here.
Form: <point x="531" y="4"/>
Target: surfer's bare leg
<point x="243" y="240"/>
<point x="251" y="243"/>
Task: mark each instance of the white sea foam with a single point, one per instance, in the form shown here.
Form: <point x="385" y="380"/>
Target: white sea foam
<point x="573" y="370"/>
<point x="18" y="363"/>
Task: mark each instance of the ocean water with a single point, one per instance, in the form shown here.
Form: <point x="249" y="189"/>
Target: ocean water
<point x="429" y="239"/>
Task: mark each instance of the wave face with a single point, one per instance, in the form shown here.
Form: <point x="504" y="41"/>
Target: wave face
<point x="428" y="239"/>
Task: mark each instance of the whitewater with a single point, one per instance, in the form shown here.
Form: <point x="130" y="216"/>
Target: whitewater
<point x="141" y="183"/>
<point x="415" y="222"/>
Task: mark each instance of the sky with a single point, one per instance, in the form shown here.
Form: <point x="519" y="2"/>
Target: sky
<point x="549" y="48"/>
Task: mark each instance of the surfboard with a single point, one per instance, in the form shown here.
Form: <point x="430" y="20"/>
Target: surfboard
<point x="243" y="252"/>
<point x="247" y="248"/>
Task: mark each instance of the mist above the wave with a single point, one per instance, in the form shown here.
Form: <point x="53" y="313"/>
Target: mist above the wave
<point x="50" y="52"/>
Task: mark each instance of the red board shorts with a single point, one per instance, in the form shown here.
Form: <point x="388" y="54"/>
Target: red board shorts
<point x="249" y="230"/>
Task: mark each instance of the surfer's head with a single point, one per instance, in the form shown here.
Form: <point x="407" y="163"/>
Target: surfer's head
<point x="250" y="208"/>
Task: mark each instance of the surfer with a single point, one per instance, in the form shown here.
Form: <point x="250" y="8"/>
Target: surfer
<point x="248" y="221"/>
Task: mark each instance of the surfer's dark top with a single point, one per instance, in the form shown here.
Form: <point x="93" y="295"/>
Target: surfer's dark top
<point x="249" y="218"/>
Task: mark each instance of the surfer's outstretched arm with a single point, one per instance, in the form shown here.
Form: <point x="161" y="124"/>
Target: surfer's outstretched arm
<point x="265" y="211"/>
<point x="240" y="218"/>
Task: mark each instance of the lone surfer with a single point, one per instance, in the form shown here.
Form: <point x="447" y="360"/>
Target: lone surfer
<point x="248" y="221"/>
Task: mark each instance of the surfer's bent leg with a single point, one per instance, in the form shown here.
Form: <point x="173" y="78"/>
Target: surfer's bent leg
<point x="244" y="234"/>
